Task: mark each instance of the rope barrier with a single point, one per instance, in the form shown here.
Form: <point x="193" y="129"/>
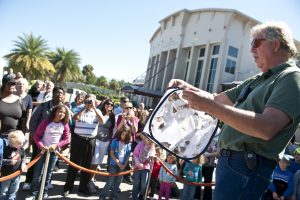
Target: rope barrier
<point x="92" y="171"/>
<point x="182" y="179"/>
<point x="17" y="173"/>
<point x="130" y="171"/>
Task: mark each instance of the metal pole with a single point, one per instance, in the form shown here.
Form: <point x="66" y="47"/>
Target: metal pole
<point x="149" y="178"/>
<point x="41" y="193"/>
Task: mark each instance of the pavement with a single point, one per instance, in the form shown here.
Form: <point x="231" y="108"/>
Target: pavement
<point x="58" y="182"/>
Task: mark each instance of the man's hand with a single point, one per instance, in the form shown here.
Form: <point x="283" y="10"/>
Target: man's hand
<point x="198" y="100"/>
<point x="181" y="84"/>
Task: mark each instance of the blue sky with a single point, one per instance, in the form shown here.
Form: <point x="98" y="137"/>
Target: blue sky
<point x="114" y="35"/>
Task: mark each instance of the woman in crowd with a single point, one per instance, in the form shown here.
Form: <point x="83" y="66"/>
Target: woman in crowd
<point x="11" y="106"/>
<point x="104" y="134"/>
<point x="22" y="89"/>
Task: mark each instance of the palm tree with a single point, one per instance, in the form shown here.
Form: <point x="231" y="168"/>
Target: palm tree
<point x="66" y="63"/>
<point x="102" y="82"/>
<point x="29" y="57"/>
<point x="90" y="77"/>
<point x="114" y="85"/>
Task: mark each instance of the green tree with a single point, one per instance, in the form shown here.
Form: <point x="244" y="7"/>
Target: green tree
<point x="66" y="63"/>
<point x="90" y="77"/>
<point x="114" y="85"/>
<point x="102" y="82"/>
<point x="30" y="57"/>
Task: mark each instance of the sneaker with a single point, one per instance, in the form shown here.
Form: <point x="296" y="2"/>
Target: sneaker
<point x="50" y="186"/>
<point x="128" y="181"/>
<point x="65" y="193"/>
<point x="46" y="196"/>
<point x="26" y="187"/>
<point x="30" y="197"/>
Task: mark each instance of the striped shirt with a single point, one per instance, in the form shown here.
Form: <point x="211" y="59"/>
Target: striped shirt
<point x="87" y="125"/>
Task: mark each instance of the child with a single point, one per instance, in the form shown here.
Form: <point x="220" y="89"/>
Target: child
<point x="295" y="169"/>
<point x="13" y="160"/>
<point x="51" y="134"/>
<point x="193" y="173"/>
<point x="282" y="183"/>
<point x="119" y="152"/>
<point x="141" y="157"/>
<point x="155" y="172"/>
<point x="167" y="180"/>
<point x="295" y="164"/>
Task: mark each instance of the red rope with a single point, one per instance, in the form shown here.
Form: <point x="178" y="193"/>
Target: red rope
<point x="182" y="179"/>
<point x="93" y="171"/>
<point x="17" y="173"/>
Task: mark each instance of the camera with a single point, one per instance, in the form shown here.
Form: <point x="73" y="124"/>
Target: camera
<point x="88" y="101"/>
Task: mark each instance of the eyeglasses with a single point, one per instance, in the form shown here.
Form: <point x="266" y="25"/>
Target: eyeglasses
<point x="256" y="42"/>
<point x="128" y="107"/>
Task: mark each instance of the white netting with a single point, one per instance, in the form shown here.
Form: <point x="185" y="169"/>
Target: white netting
<point x="180" y="129"/>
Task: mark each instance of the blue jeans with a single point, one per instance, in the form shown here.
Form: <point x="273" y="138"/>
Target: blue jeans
<point x="112" y="181"/>
<point x="37" y="174"/>
<point x="234" y="181"/>
<point x="140" y="179"/>
<point x="9" y="189"/>
<point x="188" y="192"/>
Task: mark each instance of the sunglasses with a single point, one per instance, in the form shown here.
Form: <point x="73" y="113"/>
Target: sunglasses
<point x="11" y="84"/>
<point x="256" y="42"/>
<point x="128" y="107"/>
<point x="110" y="104"/>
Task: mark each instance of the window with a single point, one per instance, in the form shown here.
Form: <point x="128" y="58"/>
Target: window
<point x="187" y="64"/>
<point x="233" y="52"/>
<point x="202" y="52"/>
<point x="231" y="60"/>
<point x="212" y="74"/>
<point x="199" y="67"/>
<point x="230" y="66"/>
<point x="216" y="50"/>
<point x="198" y="73"/>
<point x="213" y="68"/>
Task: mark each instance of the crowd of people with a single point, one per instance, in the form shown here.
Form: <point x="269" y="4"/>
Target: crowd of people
<point x="260" y="117"/>
<point x="91" y="128"/>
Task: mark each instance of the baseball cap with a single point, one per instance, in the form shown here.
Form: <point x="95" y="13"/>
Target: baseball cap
<point x="287" y="157"/>
<point x="297" y="151"/>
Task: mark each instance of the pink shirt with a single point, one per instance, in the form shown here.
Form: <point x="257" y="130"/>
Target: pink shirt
<point x="49" y="133"/>
<point x="141" y="155"/>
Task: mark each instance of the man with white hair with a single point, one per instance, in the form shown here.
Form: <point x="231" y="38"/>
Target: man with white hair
<point x="260" y="116"/>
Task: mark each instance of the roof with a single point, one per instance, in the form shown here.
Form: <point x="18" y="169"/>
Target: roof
<point x="142" y="91"/>
<point x="246" y="17"/>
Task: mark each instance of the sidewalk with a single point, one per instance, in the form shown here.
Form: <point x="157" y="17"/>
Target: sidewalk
<point x="58" y="183"/>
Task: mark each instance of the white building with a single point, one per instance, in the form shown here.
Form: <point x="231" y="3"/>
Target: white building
<point x="209" y="48"/>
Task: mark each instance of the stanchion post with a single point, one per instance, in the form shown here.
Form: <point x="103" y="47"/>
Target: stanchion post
<point x="41" y="193"/>
<point x="149" y="177"/>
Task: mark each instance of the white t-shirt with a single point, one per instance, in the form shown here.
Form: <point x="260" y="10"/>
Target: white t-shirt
<point x="53" y="133"/>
